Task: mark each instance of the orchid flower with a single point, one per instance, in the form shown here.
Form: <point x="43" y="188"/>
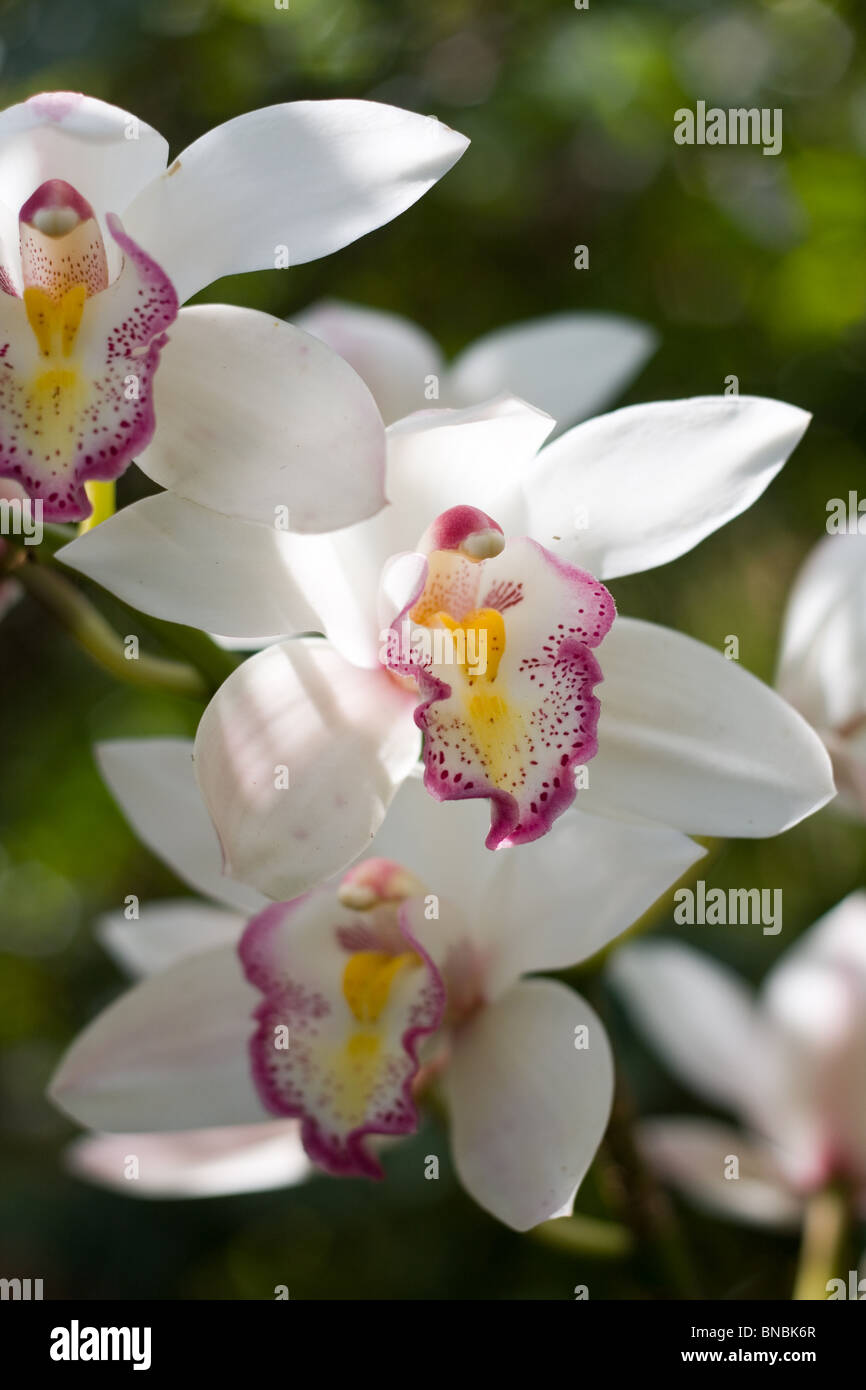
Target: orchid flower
<point x="100" y="243"/>
<point x="485" y="545"/>
<point x="791" y="1064"/>
<point x="571" y="365"/>
<point x="336" y="1011"/>
<point x="822" y="665"/>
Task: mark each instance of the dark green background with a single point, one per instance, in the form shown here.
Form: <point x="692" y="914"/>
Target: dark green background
<point x="745" y="264"/>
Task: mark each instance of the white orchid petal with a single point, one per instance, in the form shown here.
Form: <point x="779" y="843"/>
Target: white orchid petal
<point x="688" y="739"/>
<point x="194" y="1163"/>
<point x="288" y="184"/>
<point x="536" y="917"/>
<point x="837" y="939"/>
<point x="171" y="1053"/>
<point x="519" y="907"/>
<point x="106" y="153"/>
<point x="261" y="421"/>
<point x="636" y="488"/>
<point x="165" y="932"/>
<point x="698" y="1015"/>
<point x="451" y="455"/>
<point x="401" y="582"/>
<point x="528" y="1105"/>
<point x="569" y="365"/>
<point x="398" y="360"/>
<point x="695" y="1155"/>
<point x="822" y="665"/>
<point x="440" y="842"/>
<point x="252" y="584"/>
<point x="815" y="1000"/>
<point x="154" y="783"/>
<point x="188" y="564"/>
<point x="298" y="756"/>
<point x="478" y="457"/>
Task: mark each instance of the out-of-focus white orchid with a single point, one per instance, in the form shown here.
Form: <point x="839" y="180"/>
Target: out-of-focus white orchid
<point x="303" y="747"/>
<point x="337" y="1009"/>
<point x="100" y="243"/>
<point x="571" y="365"/>
<point x="822" y="664"/>
<point x="194" y="1163"/>
<point x="790" y="1063"/>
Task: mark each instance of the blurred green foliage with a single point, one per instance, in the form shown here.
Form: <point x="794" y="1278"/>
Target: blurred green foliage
<point x="746" y="265"/>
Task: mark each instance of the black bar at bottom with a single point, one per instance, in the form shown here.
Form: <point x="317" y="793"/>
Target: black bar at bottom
<point x="157" y="1339"/>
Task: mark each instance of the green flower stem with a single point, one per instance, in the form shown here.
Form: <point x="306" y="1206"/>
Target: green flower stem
<point x="201" y="651"/>
<point x="90" y="630"/>
<point x="196" y="648"/>
<point x="584" y="1235"/>
<point x="825" y="1231"/>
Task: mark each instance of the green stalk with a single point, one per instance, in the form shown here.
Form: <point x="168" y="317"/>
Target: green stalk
<point x="196" y="649"/>
<point x="825" y="1230"/>
<point x="584" y="1235"/>
<point x="90" y="630"/>
<point x="214" y="663"/>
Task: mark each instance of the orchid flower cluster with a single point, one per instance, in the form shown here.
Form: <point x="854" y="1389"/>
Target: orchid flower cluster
<point x="414" y="559"/>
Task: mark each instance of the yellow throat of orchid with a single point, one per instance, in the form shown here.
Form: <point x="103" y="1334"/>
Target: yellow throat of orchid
<point x="55" y="324"/>
<point x="367" y="983"/>
<point x="58" y="389"/>
<point x="496" y="726"/>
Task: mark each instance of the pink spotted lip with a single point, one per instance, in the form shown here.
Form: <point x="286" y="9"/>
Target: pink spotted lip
<point x="290" y="1084"/>
<point x="542" y="714"/>
<point x="98" y="413"/>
